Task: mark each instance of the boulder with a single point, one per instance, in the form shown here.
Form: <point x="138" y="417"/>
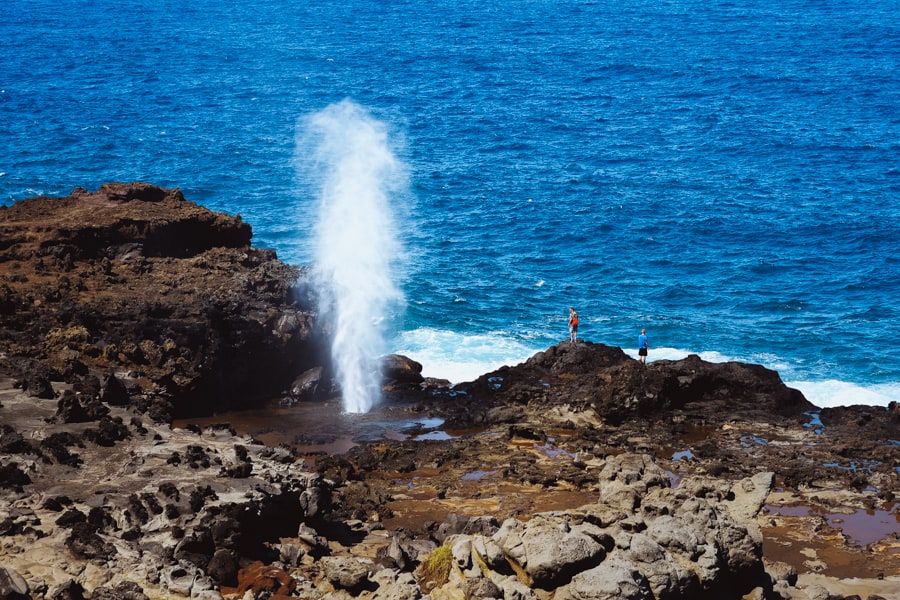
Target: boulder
<point x="613" y="579"/>
<point x="455" y="523"/>
<point x="114" y="391"/>
<point x="345" y="573"/>
<point x="35" y="380"/>
<point x="127" y="590"/>
<point x="76" y="408"/>
<point x="393" y="585"/>
<point x="401" y="371"/>
<point x="306" y="386"/>
<point x="223" y="567"/>
<point x="481" y="588"/>
<point x="12" y="585"/>
<point x="627" y="478"/>
<point x="551" y="548"/>
<point x="11" y="441"/>
<point x="70" y="590"/>
<point x="666" y="575"/>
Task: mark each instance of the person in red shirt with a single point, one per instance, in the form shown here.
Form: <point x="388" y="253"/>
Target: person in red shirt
<point x="573" y="324"/>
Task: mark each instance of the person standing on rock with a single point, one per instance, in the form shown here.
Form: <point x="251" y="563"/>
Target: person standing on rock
<point x="573" y="324"/>
<point x="643" y="346"/>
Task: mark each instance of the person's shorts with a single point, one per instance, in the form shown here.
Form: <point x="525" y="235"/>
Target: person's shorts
<point x="642" y="352"/>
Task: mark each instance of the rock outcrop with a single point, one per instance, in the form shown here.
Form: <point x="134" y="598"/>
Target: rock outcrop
<point x="606" y="380"/>
<point x="134" y="279"/>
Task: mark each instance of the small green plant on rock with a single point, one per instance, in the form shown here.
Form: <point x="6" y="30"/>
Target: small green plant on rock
<point x="435" y="569"/>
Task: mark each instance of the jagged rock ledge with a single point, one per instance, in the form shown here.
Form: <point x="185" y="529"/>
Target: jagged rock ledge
<point x="136" y="282"/>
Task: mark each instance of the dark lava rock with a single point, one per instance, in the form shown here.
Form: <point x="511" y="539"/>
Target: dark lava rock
<point x="71" y="517"/>
<point x="12" y="442"/>
<point x="114" y="391"/>
<point x="401" y="371"/>
<point x="72" y="590"/>
<point x="135" y="278"/>
<point x="88" y="386"/>
<point x="588" y="375"/>
<point x="126" y="590"/>
<point x="108" y="432"/>
<point x="57" y="445"/>
<point x="223" y="567"/>
<point x="35" y="380"/>
<point x="78" y="408"/>
<point x="307" y="385"/>
<point x="95" y="225"/>
<point x="197" y="548"/>
<point x="84" y="542"/>
<point x="56" y="503"/>
<point x="12" y="585"/>
<point x="13" y="477"/>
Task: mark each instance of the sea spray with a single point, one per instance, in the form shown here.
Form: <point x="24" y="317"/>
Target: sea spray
<point x="345" y="154"/>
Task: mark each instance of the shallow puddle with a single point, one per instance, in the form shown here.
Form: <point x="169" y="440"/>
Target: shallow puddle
<point x="479" y="475"/>
<point x="551" y="451"/>
<point x="861" y="527"/>
<point x="315" y="427"/>
<point x="683" y="455"/>
<point x="815" y="422"/>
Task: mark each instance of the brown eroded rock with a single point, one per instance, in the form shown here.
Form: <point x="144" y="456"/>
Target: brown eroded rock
<point x="136" y="279"/>
<point x="117" y="221"/>
<point x="605" y="380"/>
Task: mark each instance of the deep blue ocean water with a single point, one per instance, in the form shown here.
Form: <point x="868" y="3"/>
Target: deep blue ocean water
<point x="725" y="174"/>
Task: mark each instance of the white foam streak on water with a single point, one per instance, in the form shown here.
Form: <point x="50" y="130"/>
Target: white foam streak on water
<point x="458" y="358"/>
<point x="826" y="394"/>
<point x="356" y="246"/>
<point x="663" y="353"/>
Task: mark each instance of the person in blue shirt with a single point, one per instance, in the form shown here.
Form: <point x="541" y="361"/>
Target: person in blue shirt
<point x="643" y="346"/>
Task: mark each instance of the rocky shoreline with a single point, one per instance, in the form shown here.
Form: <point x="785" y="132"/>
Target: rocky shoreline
<point x="131" y="320"/>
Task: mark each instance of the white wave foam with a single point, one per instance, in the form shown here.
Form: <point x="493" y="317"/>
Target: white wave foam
<point x="827" y="394"/>
<point x="677" y="354"/>
<point x="458" y="357"/>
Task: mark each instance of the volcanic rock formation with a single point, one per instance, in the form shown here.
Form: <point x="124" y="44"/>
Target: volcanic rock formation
<point x="578" y="474"/>
<point x="135" y="280"/>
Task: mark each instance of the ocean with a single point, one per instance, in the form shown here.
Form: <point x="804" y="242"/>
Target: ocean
<point x="724" y="174"/>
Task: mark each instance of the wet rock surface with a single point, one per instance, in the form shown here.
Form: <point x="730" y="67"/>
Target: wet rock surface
<point x="577" y="474"/>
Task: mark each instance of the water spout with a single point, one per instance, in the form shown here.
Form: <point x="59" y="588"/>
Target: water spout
<point x="346" y="155"/>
